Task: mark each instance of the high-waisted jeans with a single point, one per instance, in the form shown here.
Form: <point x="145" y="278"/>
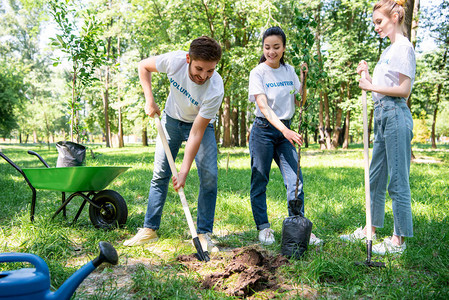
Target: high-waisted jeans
<point x="206" y="162"/>
<point x="393" y="132"/>
<point x="265" y="144"/>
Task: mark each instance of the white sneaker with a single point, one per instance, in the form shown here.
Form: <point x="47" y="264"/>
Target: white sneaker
<point x="387" y="246"/>
<point x="206" y="243"/>
<point x="266" y="236"/>
<point x="314" y="240"/>
<point x="357" y="235"/>
<point x="143" y="236"/>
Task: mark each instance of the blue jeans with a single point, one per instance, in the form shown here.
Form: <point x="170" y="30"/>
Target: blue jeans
<point x="265" y="144"/>
<point x="393" y="132"/>
<point x="206" y="162"/>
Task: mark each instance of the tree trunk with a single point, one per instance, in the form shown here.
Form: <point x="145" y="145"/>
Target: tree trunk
<point x="327" y="120"/>
<point x="370" y="124"/>
<point x="121" y="143"/>
<point x="243" y="128"/>
<point x="415" y="22"/>
<point x="227" y="122"/>
<point x="306" y="138"/>
<point x="107" y="129"/>
<point x="218" y="125"/>
<point x="348" y="116"/>
<point x="325" y="139"/>
<point x="337" y="127"/>
<point x="72" y="108"/>
<point x="235" y="126"/>
<point x="321" y="129"/>
<point x="346" y="140"/>
<point x="144" y="136"/>
<point x="408" y="19"/>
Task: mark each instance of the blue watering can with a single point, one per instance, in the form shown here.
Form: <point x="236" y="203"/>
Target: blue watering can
<point x="34" y="283"/>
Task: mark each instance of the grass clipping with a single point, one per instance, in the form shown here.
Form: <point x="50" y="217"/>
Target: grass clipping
<point x="243" y="272"/>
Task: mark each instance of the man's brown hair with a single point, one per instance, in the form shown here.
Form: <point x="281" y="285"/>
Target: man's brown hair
<point x="205" y="48"/>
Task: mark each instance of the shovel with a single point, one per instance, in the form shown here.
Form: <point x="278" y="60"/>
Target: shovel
<point x="301" y="109"/>
<point x="201" y="255"/>
<point x="369" y="235"/>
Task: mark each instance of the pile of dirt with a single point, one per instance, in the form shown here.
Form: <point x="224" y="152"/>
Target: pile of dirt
<point x="247" y="271"/>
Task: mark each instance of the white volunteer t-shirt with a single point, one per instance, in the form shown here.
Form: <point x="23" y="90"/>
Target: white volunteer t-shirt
<point x="277" y="85"/>
<point x="397" y="58"/>
<point x="186" y="98"/>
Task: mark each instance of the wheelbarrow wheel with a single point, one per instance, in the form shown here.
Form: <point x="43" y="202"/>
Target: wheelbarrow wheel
<point x="112" y="213"/>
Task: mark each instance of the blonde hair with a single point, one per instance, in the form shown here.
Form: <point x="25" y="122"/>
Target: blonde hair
<point x="391" y="7"/>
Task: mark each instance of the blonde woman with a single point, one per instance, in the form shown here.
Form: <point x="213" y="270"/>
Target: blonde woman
<point x="391" y="85"/>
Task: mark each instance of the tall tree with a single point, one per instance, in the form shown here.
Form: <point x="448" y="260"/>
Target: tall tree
<point x="84" y="51"/>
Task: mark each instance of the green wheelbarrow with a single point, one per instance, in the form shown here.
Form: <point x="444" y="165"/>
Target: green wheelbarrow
<point x="107" y="208"/>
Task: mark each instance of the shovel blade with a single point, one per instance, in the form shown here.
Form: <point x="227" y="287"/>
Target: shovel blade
<point x="368" y="262"/>
<point x="201" y="255"/>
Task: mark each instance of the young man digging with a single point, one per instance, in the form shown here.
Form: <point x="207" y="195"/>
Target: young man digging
<point x="196" y="93"/>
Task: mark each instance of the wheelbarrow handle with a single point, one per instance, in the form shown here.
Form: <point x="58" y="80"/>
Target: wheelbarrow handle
<point x="33" y="190"/>
<point x="40" y="158"/>
<point x="12" y="163"/>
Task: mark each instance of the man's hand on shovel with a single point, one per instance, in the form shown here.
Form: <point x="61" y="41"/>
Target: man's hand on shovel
<point x="179" y="181"/>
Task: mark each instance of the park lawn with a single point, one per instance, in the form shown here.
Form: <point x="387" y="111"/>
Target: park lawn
<point x="334" y="203"/>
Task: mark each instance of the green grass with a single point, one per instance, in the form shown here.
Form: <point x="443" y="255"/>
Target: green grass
<point x="334" y="203"/>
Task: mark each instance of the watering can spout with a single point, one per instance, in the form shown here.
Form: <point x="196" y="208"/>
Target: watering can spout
<point x="107" y="254"/>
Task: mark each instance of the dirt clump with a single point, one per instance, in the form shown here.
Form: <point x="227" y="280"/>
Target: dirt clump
<point x="246" y="271"/>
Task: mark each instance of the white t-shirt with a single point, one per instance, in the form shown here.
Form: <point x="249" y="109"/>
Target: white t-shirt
<point x="186" y="98"/>
<point x="277" y="85"/>
<point x="397" y="58"/>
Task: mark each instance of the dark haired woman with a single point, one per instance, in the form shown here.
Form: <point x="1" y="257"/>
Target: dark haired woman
<point x="270" y="85"/>
<point x="391" y="85"/>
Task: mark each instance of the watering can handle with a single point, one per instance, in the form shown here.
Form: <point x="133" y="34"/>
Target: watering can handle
<point x="35" y="260"/>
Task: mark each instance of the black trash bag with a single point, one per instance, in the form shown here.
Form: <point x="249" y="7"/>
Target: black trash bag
<point x="296" y="232"/>
<point x="70" y="154"/>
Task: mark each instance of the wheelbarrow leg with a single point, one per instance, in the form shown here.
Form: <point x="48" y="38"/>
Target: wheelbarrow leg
<point x="79" y="211"/>
<point x="33" y="198"/>
<point x="64" y="211"/>
<point x="86" y="199"/>
<point x="65" y="203"/>
<point x="33" y="203"/>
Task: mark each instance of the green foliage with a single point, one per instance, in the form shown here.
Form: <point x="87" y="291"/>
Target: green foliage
<point x="421" y="132"/>
<point x="11" y="99"/>
<point x="431" y="72"/>
<point x="139" y="29"/>
<point x="301" y="51"/>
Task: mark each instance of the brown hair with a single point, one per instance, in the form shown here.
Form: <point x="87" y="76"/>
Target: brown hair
<point x="205" y="48"/>
<point x="391" y="7"/>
